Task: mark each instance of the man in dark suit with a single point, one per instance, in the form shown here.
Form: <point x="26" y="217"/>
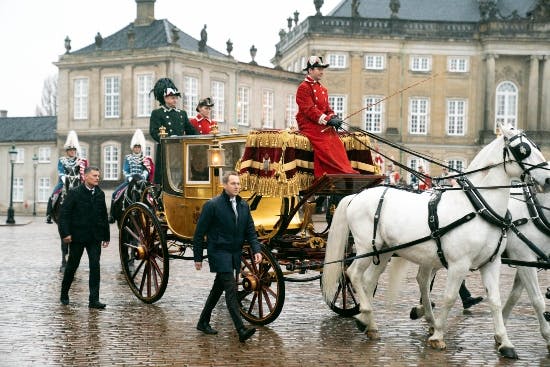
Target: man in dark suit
<point x="227" y="223"/>
<point x="83" y="225"/>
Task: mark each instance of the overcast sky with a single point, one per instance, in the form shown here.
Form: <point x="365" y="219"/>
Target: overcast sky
<point x="32" y="33"/>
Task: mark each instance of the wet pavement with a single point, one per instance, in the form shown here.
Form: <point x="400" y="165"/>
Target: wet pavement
<point x="36" y="330"/>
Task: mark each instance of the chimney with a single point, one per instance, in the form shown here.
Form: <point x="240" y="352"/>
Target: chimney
<point x="145" y="12"/>
<point x="3" y="113"/>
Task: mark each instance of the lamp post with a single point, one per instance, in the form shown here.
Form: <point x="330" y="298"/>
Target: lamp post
<point x="13" y="155"/>
<point x="34" y="165"/>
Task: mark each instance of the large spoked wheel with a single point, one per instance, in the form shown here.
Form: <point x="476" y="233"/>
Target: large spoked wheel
<point x="143" y="253"/>
<point x="260" y="288"/>
<point x="344" y="302"/>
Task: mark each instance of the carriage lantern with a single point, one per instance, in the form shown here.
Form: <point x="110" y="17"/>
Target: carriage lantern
<point x="216" y="155"/>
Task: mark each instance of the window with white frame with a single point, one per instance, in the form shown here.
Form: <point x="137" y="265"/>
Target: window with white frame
<point x="373" y="116"/>
<point x="243" y="106"/>
<point x="83" y="151"/>
<point x="144" y="97"/>
<point x="44" y="154"/>
<point x="456" y="116"/>
<point x="112" y="96"/>
<point x="414" y="163"/>
<point x="419" y="115"/>
<point x="18" y="189"/>
<point x="218" y="95"/>
<point x="420" y="63"/>
<point x="375" y="61"/>
<point x="291" y="110"/>
<point x="457" y="165"/>
<point x="20" y="157"/>
<point x="190" y="92"/>
<point x="110" y="162"/>
<point x="458" y="64"/>
<point x="506" y="100"/>
<point x="43" y="189"/>
<point x="80" y="98"/>
<point x="149" y="149"/>
<point x="337" y="61"/>
<point x="267" y="108"/>
<point x="338" y="104"/>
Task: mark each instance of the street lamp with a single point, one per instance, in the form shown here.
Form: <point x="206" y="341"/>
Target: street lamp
<point x="34" y="165"/>
<point x="13" y="155"/>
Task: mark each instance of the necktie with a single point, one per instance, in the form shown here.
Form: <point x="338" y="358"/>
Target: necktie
<point x="234" y="205"/>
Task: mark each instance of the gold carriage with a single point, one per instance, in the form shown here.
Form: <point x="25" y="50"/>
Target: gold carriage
<point x="276" y="171"/>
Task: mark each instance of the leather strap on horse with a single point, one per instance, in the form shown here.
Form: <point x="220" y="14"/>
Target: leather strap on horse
<point x="433" y="222"/>
<point x="533" y="205"/>
<point x="376" y="260"/>
<point x="530" y="244"/>
<point x="442" y="231"/>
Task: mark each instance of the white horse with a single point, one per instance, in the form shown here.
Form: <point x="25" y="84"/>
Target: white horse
<point x="402" y="217"/>
<point x="516" y="249"/>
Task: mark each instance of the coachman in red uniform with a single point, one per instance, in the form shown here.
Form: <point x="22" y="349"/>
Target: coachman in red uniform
<point x="202" y="122"/>
<point x="319" y="123"/>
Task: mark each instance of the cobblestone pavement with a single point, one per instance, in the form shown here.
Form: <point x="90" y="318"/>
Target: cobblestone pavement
<point x="37" y="331"/>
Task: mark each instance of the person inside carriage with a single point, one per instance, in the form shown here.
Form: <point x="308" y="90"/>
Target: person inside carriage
<point x="136" y="164"/>
<point x="174" y="120"/>
<point x="202" y="122"/>
<point x="70" y="166"/>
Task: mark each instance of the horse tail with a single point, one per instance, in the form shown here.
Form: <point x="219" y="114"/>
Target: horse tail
<point x="336" y="244"/>
<point x="398" y="269"/>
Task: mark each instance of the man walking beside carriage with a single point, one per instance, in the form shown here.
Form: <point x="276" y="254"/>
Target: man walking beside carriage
<point x="227" y="223"/>
<point x="136" y="166"/>
<point x="71" y="167"/>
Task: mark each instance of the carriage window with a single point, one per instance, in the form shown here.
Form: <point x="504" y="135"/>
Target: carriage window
<point x="233" y="152"/>
<point x="197" y="169"/>
<point x="174" y="157"/>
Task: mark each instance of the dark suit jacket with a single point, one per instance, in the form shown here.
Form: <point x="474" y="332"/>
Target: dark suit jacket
<point x="225" y="236"/>
<point x="84" y="216"/>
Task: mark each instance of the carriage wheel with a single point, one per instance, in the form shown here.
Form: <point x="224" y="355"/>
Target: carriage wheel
<point x="149" y="198"/>
<point x="143" y="253"/>
<point x="260" y="288"/>
<point x="344" y="302"/>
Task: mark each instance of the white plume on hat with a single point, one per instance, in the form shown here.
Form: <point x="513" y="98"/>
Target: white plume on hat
<point x="72" y="142"/>
<point x="138" y="139"/>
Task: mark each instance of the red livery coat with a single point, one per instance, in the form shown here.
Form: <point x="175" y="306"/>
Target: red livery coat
<point x="329" y="154"/>
<point x="202" y="124"/>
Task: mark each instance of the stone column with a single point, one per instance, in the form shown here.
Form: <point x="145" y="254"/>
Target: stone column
<point x="355" y="102"/>
<point x="545" y="99"/>
<point x="488" y="118"/>
<point x="533" y="94"/>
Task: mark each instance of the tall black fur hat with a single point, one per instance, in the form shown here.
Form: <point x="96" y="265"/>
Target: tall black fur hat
<point x="164" y="87"/>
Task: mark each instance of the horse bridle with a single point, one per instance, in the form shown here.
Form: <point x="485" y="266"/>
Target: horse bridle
<point x="520" y="150"/>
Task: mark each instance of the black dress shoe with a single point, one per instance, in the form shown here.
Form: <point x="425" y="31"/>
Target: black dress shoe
<point x="111" y="219"/>
<point x="97" y="305"/>
<point x="206" y="328"/>
<point x="49" y="219"/>
<point x="471" y="301"/>
<point x="64" y="300"/>
<point x="245" y="333"/>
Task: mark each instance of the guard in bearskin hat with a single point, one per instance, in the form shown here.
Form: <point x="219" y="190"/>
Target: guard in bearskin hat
<point x="69" y="165"/>
<point x="173" y="119"/>
<point x="135" y="163"/>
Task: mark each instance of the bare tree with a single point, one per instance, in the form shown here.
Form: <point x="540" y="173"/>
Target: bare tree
<point x="49" y="97"/>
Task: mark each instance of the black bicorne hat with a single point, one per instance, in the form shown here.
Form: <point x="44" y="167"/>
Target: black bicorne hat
<point x="205" y="102"/>
<point x="315" y="62"/>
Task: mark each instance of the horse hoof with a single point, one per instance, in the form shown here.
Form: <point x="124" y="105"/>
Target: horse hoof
<point x="437" y="344"/>
<point x="373" y="335"/>
<point x="414" y="314"/>
<point x="362" y="327"/>
<point x="508" y="352"/>
<point x="546" y="315"/>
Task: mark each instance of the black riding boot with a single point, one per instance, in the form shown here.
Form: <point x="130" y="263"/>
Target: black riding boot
<point x="49" y="211"/>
